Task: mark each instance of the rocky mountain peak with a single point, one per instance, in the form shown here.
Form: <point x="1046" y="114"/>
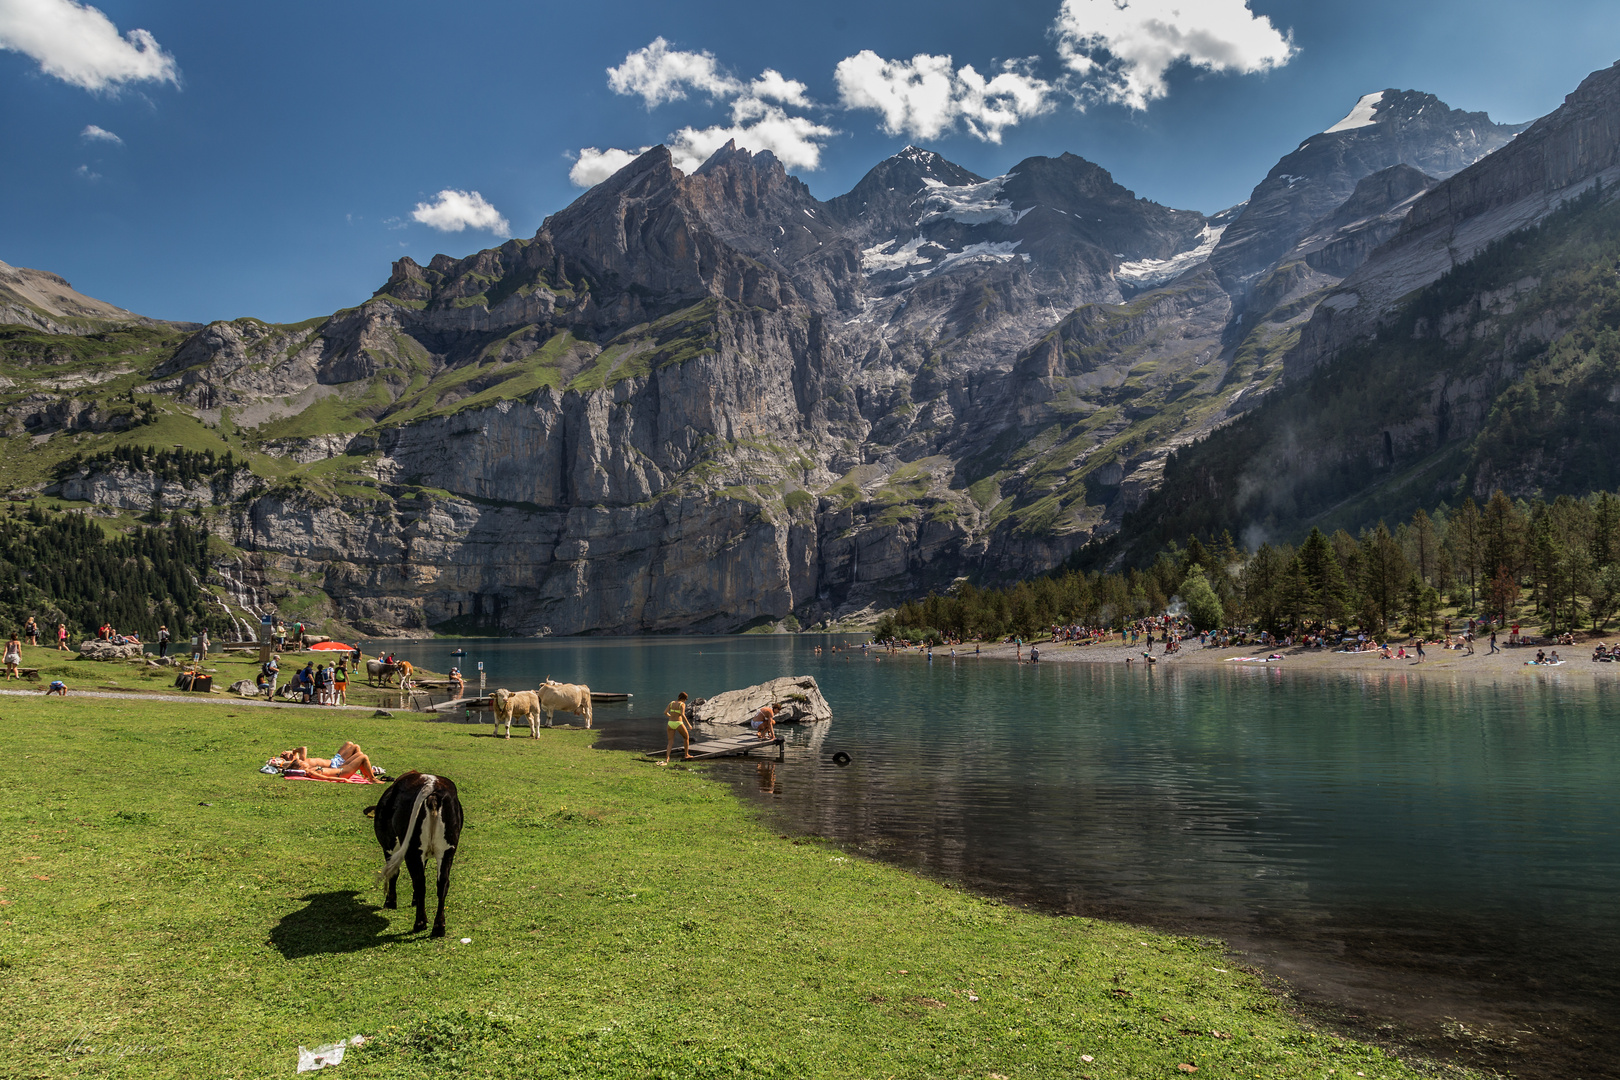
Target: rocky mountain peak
<point x="1383" y="129"/>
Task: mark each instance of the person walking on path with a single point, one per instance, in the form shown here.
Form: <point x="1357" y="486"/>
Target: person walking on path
<point x="1494" y="649"/>
<point x="163" y="642"/>
<point x="675" y="715"/>
<point x="61" y="637"/>
<point x="31" y="631"/>
<point x="1420" y="650"/>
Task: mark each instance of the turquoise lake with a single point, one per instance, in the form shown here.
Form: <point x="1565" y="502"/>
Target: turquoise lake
<point x="1439" y="855"/>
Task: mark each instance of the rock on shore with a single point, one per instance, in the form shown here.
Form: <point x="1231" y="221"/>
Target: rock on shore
<point x="95" y="649"/>
<point x="798" y="697"/>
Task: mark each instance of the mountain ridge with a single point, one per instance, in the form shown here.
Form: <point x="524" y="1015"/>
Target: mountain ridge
<point x="710" y="401"/>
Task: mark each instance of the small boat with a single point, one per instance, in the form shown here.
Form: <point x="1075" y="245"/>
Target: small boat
<point x="602" y="697"/>
<point x="459" y="652"/>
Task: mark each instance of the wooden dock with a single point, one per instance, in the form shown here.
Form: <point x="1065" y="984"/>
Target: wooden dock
<point x="729" y="746"/>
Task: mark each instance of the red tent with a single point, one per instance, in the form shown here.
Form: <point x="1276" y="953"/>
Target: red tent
<point x="333" y="646"/>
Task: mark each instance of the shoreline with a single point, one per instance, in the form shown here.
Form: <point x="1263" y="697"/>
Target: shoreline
<point x="1509" y="661"/>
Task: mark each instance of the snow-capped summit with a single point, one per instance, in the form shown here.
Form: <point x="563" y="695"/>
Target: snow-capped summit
<point x="1361" y="115"/>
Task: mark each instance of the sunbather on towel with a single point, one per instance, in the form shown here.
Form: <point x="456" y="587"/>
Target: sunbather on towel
<point x="349" y="759"/>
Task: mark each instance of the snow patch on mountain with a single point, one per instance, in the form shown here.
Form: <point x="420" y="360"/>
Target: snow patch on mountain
<point x="1145" y="273"/>
<point x="1361" y="115"/>
<point x="920" y="252"/>
<point x="970" y="204"/>
<point x="880" y="260"/>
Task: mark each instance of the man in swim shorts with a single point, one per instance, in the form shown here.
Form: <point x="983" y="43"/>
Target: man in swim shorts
<point x="764" y="722"/>
<point x="349" y="759"/>
<point x="675" y="714"/>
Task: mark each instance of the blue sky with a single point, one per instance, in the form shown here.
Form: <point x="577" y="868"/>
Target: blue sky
<point x="273" y="159"/>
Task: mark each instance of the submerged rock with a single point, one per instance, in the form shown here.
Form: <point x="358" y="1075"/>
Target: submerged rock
<point x="797" y="697"/>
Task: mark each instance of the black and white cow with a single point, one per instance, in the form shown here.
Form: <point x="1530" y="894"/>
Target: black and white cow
<point x="418" y="818"/>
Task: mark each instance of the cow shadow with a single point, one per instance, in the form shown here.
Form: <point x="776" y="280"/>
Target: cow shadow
<point x="331" y="922"/>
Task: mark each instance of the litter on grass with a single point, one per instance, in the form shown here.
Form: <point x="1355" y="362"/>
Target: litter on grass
<point x="322" y="1056"/>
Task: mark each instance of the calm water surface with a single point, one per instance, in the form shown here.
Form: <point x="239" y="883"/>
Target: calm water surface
<point x="1440" y="854"/>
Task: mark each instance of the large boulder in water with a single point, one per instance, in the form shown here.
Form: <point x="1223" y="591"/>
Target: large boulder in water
<point x="797" y="697"/>
<point x="96" y="649"/>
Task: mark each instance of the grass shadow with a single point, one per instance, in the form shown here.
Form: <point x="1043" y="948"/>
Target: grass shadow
<point x="331" y="922"/>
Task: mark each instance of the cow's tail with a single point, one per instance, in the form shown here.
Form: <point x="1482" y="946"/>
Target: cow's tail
<point x="585" y="703"/>
<point x="390" y="868"/>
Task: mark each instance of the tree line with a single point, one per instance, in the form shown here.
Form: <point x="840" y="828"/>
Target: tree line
<point x="178" y="464"/>
<point x="63" y="568"/>
<point x="1557" y="561"/>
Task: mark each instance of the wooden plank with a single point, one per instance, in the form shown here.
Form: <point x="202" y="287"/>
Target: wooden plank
<point x="733" y="746"/>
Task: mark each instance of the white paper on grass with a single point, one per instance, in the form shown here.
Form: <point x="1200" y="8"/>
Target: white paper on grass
<point x="322" y="1056"/>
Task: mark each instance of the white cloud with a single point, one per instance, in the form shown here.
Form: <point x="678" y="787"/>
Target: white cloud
<point x="97" y="134"/>
<point x="772" y="85"/>
<point x="1121" y="49"/>
<point x="452" y="211"/>
<point x="660" y="74"/>
<point x="595" y="166"/>
<point x="759" y="120"/>
<point x="79" y="45"/>
<point x="756" y="125"/>
<point x="84" y="172"/>
<point x="926" y="95"/>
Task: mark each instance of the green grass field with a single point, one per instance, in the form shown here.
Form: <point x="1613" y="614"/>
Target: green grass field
<point x="166" y="910"/>
<point x="138" y="677"/>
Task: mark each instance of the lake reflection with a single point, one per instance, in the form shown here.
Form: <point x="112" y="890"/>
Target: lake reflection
<point x="1440" y="851"/>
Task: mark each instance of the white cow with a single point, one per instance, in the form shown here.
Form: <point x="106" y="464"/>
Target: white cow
<point x="558" y="697"/>
<point x="507" y="703"/>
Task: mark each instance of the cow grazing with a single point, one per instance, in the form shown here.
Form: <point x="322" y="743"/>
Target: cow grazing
<point x="558" y="697"/>
<point x="376" y="669"/>
<point x="507" y="704"/>
<point x="418" y="818"/>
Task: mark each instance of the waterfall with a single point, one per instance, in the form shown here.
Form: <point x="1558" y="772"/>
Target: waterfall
<point x="244" y="632"/>
<point x="244" y="596"/>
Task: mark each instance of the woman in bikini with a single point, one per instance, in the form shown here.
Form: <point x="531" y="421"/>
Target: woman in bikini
<point x="349" y="759"/>
<point x="676" y="717"/>
<point x="13" y="657"/>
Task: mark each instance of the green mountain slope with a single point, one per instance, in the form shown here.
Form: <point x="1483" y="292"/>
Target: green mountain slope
<point x="1505" y="373"/>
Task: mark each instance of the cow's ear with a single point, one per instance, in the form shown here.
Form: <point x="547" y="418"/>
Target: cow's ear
<point x="370" y="811"/>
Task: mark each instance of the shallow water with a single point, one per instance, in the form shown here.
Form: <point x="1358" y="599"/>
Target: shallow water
<point x="1444" y="854"/>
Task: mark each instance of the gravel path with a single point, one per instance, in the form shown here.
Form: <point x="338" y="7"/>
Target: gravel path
<point x="192" y="699"/>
